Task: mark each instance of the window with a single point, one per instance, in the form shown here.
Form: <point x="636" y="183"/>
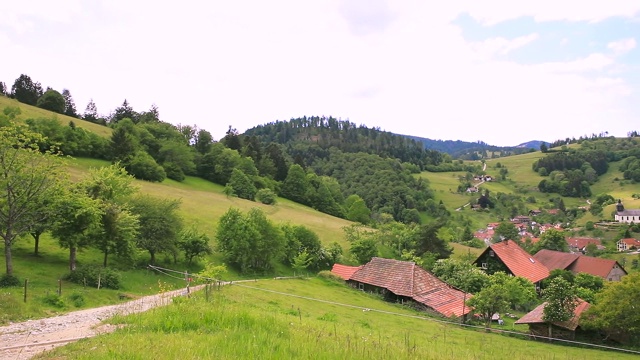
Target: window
<point x="361" y="286"/>
<point x="484" y="266"/>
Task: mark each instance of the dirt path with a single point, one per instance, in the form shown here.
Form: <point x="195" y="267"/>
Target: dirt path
<point x="26" y="339"/>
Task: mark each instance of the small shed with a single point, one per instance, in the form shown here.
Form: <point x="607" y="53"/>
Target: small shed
<point x="560" y="330"/>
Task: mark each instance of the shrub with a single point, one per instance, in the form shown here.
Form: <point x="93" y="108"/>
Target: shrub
<point x="89" y="275"/>
<point x="77" y="299"/>
<point x="266" y="196"/>
<point x="328" y="275"/>
<point x="9" y="280"/>
<point x="54" y="300"/>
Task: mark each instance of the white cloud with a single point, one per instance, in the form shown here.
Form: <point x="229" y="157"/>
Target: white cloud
<point x="487" y="49"/>
<point x="491" y="12"/>
<point x="622" y="46"/>
<point x="402" y="66"/>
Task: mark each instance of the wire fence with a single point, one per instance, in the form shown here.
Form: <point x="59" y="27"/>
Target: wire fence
<point x="463" y="325"/>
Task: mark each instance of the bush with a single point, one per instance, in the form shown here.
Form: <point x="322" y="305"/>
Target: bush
<point x="54" y="300"/>
<point x="143" y="166"/>
<point x="328" y="275"/>
<point x="89" y="275"/>
<point x="266" y="196"/>
<point x="173" y="171"/>
<point x="77" y="299"/>
<point x="9" y="280"/>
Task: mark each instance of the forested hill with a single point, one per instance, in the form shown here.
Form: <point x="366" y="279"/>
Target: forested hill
<point x="466" y="150"/>
<point x="317" y="134"/>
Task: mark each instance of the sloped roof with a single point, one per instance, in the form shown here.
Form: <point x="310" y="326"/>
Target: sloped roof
<point x="580" y="242"/>
<point x="518" y="261"/>
<point x="535" y="316"/>
<point x="344" y="271"/>
<point x="405" y="278"/>
<point x="631" y="212"/>
<point x="630" y="241"/>
<point x="555" y="259"/>
<point x="594" y="266"/>
<point x="393" y="275"/>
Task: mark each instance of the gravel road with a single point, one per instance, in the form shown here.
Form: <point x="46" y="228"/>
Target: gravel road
<point x="26" y="339"/>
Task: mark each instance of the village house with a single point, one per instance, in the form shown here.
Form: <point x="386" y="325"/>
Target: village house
<point x="579" y="244"/>
<point x="509" y="257"/>
<point x="561" y="330"/>
<point x="628" y="244"/>
<point x="404" y="281"/>
<point x="607" y="269"/>
<point x="626" y="216"/>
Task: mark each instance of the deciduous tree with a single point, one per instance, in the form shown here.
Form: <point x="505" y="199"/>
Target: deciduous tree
<point x="160" y="224"/>
<point x="27" y="178"/>
<point x="561" y="301"/>
<point x="614" y="313"/>
<point x="51" y="100"/>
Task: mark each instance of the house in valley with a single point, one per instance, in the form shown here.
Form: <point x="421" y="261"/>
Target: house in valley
<point x="579" y="244"/>
<point x="626" y="216"/>
<point x="608" y="269"/>
<point x="562" y="330"/>
<point x="628" y="244"/>
<point x="404" y="281"/>
<point x="509" y="257"/>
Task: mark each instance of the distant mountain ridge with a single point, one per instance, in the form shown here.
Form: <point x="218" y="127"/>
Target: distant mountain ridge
<point x="459" y="149"/>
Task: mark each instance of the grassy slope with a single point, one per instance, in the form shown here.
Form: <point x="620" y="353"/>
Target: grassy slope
<point x="241" y="321"/>
<point x="33" y="112"/>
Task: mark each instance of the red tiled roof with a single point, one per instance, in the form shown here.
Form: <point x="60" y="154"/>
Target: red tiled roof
<point x="519" y="262"/>
<point x="580" y="242"/>
<point x="555" y="259"/>
<point x="631" y="242"/>
<point x="535" y="316"/>
<point x="405" y="278"/>
<point x="594" y="266"/>
<point x="344" y="271"/>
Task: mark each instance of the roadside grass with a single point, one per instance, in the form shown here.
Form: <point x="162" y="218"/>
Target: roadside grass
<point x="34" y="112"/>
<point x="44" y="281"/>
<point x="258" y="320"/>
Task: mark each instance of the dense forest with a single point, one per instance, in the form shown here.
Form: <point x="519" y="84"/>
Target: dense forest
<point x="571" y="171"/>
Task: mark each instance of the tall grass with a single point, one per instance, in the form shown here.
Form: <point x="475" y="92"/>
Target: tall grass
<point x="241" y="322"/>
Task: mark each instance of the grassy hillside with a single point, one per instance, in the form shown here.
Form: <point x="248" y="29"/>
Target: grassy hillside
<point x="279" y="319"/>
<point x="203" y="203"/>
<point x="33" y="112"/>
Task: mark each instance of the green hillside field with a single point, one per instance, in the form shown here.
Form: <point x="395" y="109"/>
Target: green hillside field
<point x="306" y="319"/>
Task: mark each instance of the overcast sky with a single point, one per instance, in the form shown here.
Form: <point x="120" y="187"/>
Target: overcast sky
<point x="503" y="72"/>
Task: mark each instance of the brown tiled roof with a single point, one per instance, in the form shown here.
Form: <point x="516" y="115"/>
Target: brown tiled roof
<point x="555" y="259"/>
<point x="594" y="266"/>
<point x="580" y="242"/>
<point x="405" y="278"/>
<point x="344" y="271"/>
<point x="519" y="262"/>
<point x="576" y="263"/>
<point x="535" y="316"/>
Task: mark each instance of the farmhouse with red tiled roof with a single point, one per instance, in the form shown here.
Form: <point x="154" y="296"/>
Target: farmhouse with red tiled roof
<point x="607" y="269"/>
<point x="509" y="257"/>
<point x="628" y="244"/>
<point x="562" y="330"/>
<point x="580" y="243"/>
<point x="405" y="281"/>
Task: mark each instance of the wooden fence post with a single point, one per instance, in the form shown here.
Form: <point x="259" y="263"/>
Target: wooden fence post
<point x="26" y="281"/>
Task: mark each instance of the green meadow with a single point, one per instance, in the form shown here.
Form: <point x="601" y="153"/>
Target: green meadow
<point x="304" y="319"/>
<point x="33" y="112"/>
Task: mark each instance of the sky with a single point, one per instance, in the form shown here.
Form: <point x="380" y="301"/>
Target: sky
<point x="502" y="72"/>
